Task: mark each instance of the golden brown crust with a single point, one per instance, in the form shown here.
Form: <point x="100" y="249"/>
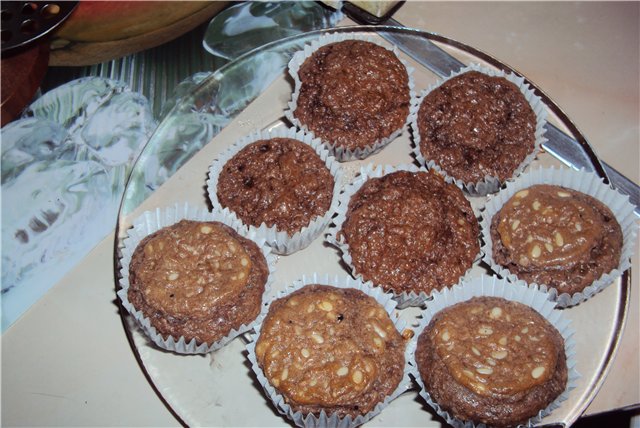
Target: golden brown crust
<point x="197" y="280"/>
<point x="353" y="94"/>
<point x="281" y="182"/>
<point x="491" y="360"/>
<point x="399" y="226"/>
<point x="556" y="236"/>
<point x="332" y="349"/>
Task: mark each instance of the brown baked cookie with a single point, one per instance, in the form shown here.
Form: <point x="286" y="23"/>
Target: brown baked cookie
<point x="555" y="236"/>
<point x="475" y="125"/>
<point x="281" y="182"/>
<point x="353" y="94"/>
<point x="491" y="360"/>
<point x="197" y="280"/>
<point x="332" y="349"/>
<point x="410" y="232"/>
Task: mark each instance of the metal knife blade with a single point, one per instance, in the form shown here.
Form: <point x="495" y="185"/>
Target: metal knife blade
<point x="565" y="148"/>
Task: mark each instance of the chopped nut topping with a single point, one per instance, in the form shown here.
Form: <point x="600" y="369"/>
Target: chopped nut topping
<point x="484" y="370"/>
<point x="537" y="372"/>
<point x="485" y="331"/>
<point x="499" y="355"/>
<point x="325" y="305"/>
<point x="317" y="338"/>
<point x="536" y="251"/>
<point x="379" y="330"/>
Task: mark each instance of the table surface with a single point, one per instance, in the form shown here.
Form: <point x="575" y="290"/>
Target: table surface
<point x="67" y="360"/>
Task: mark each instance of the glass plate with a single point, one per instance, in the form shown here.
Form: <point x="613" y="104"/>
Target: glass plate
<point x="210" y="390"/>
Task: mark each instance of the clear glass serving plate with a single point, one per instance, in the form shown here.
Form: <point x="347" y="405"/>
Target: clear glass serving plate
<point x="251" y="93"/>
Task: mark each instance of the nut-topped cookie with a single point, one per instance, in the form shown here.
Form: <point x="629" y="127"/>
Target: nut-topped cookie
<point x="198" y="280"/>
<point x="491" y="360"/>
<point x="556" y="236"/>
<point x="332" y="349"/>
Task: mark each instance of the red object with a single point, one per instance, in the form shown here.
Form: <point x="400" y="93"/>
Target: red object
<point x="22" y="74"/>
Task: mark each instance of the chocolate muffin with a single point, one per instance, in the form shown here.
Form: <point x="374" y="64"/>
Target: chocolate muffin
<point x="556" y="236"/>
<point x="493" y="361"/>
<point x="410" y="232"/>
<point x="198" y="280"/>
<point x="475" y="125"/>
<point x="333" y="349"/>
<point x="281" y="182"/>
<point x="353" y="94"/>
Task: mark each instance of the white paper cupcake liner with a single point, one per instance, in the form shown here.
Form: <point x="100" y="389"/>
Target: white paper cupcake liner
<point x="489" y="184"/>
<point x="324" y="419"/>
<point x="492" y="286"/>
<point x="152" y="221"/>
<point x="404" y="299"/>
<point x="340" y="153"/>
<point x="280" y="241"/>
<point x="582" y="181"/>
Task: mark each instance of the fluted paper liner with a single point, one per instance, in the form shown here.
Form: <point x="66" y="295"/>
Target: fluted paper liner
<point x="489" y="184"/>
<point x="341" y="154"/>
<point x="404" y="299"/>
<point x="324" y="419"/>
<point x="152" y="221"/>
<point x="280" y="241"/>
<point x="492" y="286"/>
<point x="582" y="181"/>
